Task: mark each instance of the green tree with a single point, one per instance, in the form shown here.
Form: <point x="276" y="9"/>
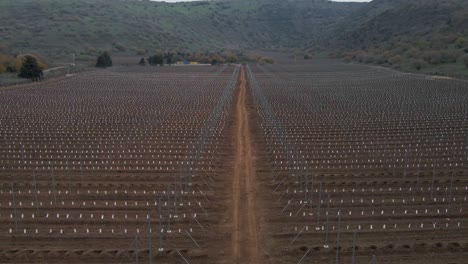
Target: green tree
<point x="30" y="69"/>
<point x="104" y="60"/>
<point x="433" y="57"/>
<point x="157" y="59"/>
<point x="418" y="64"/>
<point x="142" y="62"/>
<point x="170" y="58"/>
<point x="460" y="42"/>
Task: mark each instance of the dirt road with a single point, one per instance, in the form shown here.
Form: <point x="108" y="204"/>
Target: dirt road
<point x="244" y="237"/>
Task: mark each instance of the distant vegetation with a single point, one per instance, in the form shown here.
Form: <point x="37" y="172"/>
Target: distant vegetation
<point x="104" y="60"/>
<point x="213" y="58"/>
<point x="57" y="28"/>
<point x="157" y="59"/>
<point x="430" y="36"/>
<point x="30" y="69"/>
<point x="13" y="63"/>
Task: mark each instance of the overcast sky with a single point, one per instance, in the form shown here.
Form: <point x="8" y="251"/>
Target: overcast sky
<point x="199" y="0"/>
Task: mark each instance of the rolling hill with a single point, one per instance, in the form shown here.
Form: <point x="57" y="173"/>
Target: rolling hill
<point x="423" y="35"/>
<point x="55" y="28"/>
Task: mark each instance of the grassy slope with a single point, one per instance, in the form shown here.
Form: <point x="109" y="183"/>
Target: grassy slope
<point x="58" y="27"/>
<point x="410" y="29"/>
<point x="385" y="20"/>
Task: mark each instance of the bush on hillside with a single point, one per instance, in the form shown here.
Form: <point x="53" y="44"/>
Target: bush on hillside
<point x="378" y="59"/>
<point x="7" y="61"/>
<point x="104" y="60"/>
<point x="157" y="59"/>
<point x="30" y="69"/>
<point x="348" y="58"/>
<point x="418" y="64"/>
<point x="450" y="56"/>
<point x="169" y="58"/>
<point x="395" y="60"/>
<point x="465" y="60"/>
<point x="140" y="51"/>
<point x="119" y="47"/>
<point x="433" y="57"/>
<point x="264" y="60"/>
<point x="461" y="42"/>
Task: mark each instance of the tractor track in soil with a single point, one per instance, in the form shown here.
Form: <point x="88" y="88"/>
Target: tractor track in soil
<point x="244" y="237"/>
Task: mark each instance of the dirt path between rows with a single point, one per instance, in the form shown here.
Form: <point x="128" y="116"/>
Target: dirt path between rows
<point x="244" y="234"/>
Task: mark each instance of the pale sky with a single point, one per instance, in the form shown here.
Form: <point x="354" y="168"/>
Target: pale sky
<point x="172" y="1"/>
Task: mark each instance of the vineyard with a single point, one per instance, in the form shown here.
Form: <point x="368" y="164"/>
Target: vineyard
<point x="320" y="162"/>
<point x="115" y="164"/>
<point x="364" y="160"/>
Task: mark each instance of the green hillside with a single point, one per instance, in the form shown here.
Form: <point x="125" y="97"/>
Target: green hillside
<point x="55" y="28"/>
<point x="419" y="35"/>
<point x="423" y="35"/>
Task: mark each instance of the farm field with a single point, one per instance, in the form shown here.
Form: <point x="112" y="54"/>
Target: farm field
<point x="93" y="164"/>
<point x="235" y="164"/>
<point x="355" y="155"/>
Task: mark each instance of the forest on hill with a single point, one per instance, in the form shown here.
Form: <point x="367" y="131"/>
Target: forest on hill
<point x="55" y="28"/>
<point x="418" y="35"/>
<point x="423" y="35"/>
